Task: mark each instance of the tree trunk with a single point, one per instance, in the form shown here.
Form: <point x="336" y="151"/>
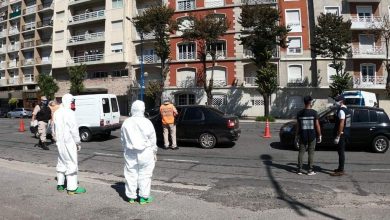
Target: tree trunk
<point x="266" y="98"/>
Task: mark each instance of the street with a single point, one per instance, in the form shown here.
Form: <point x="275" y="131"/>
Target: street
<point x="254" y="179"/>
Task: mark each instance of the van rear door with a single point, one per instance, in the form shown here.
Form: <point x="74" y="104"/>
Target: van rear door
<point x="114" y="111"/>
<point x="107" y="115"/>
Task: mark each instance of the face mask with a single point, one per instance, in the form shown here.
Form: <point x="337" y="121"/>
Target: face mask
<point x="338" y="104"/>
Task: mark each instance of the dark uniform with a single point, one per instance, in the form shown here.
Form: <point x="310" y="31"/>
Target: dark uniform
<point x="344" y="137"/>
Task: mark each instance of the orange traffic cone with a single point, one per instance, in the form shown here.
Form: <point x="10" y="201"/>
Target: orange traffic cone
<point x="267" y="132"/>
<point x="21" y="126"/>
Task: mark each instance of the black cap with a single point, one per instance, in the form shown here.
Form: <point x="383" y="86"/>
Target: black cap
<point x="339" y="98"/>
<point x="307" y="99"/>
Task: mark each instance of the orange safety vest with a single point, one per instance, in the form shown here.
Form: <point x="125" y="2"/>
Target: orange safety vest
<point x="168" y="113"/>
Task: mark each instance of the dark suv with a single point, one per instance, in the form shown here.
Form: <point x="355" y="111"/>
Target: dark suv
<point x="370" y="127"/>
<point x="205" y="125"/>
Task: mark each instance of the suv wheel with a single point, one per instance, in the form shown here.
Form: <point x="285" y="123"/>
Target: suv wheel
<point x="85" y="135"/>
<point x="207" y="140"/>
<point x="380" y="144"/>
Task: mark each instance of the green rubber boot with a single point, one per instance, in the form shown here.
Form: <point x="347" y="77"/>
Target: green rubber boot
<point x="79" y="190"/>
<point x="144" y="201"/>
<point x="60" y="188"/>
<point x="132" y="201"/>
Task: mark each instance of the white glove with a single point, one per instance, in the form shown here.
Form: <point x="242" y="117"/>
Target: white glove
<point x="336" y="140"/>
<point x="319" y="139"/>
<point x="78" y="146"/>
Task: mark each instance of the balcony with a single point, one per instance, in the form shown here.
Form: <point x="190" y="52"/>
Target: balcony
<point x="294" y="50"/>
<point x="186" y="83"/>
<point x="366" y="53"/>
<point x="12" y="64"/>
<point x="3" y="33"/>
<point x="88" y="58"/>
<point x="43" y="61"/>
<point x="15" y="14"/>
<point x="248" y="54"/>
<point x="13" y="80"/>
<point x="29" y="78"/>
<point x="44" y="42"/>
<point x="3" y="82"/>
<point x="45" y="23"/>
<point x="14" y="47"/>
<point x="3" y="49"/>
<point x="152" y="58"/>
<point x="370" y="82"/>
<point x="218" y="83"/>
<point x="3" y="3"/>
<point x="13" y="31"/>
<point x="27" y="62"/>
<point x="255" y="2"/>
<point x="90" y="16"/>
<point x="219" y="55"/>
<point x="93" y="37"/>
<point x="250" y="81"/>
<point x="186" y="5"/>
<point x="45" y="6"/>
<point x="30" y="10"/>
<point x="362" y="23"/>
<point x="28" y="26"/>
<point x="3" y="65"/>
<point x="28" y="44"/>
<point x="187" y="56"/>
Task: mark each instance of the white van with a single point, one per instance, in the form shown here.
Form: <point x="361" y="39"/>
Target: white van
<point x="96" y="115"/>
<point x="362" y="98"/>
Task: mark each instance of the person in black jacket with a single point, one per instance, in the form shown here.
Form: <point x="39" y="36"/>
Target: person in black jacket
<point x="307" y="134"/>
<point x="43" y="116"/>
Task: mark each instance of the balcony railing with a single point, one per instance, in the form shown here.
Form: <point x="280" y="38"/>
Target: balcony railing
<point x="214" y="3"/>
<point x="87" y="16"/>
<point x="294" y="50"/>
<point x="255" y="2"/>
<point x="28" y="26"/>
<point x="3" y="49"/>
<point x="13" y="31"/>
<point x="12" y="64"/>
<point x="185" y="83"/>
<point x="219" y="55"/>
<point x="369" y="82"/>
<point x="43" y="60"/>
<point x="30" y="10"/>
<point x="3" y="82"/>
<point x="219" y="83"/>
<point x="88" y="58"/>
<point x="47" y="41"/>
<point x="45" y="23"/>
<point x="15" y="14"/>
<point x="249" y="54"/>
<point x="368" y="51"/>
<point x="85" y="37"/>
<point x="151" y="58"/>
<point x="3" y="3"/>
<point x="3" y="65"/>
<point x="186" y="5"/>
<point x="14" y="47"/>
<point x="187" y="56"/>
<point x="45" y="5"/>
<point x="14" y="80"/>
<point x="27" y="62"/>
<point x="28" y="78"/>
<point x="364" y="22"/>
<point x="250" y="81"/>
<point x="3" y="33"/>
<point x="28" y="43"/>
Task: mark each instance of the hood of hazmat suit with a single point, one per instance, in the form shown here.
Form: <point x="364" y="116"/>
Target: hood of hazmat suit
<point x="137" y="131"/>
<point x="67" y="136"/>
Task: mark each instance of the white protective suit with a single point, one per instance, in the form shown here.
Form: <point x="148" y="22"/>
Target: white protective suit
<point x="138" y="139"/>
<point x="67" y="136"/>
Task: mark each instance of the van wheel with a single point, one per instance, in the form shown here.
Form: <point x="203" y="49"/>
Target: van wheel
<point x="207" y="140"/>
<point x="380" y="144"/>
<point x="85" y="135"/>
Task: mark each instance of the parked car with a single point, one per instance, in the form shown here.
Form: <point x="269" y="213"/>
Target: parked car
<point x="370" y="127"/>
<point x="202" y="124"/>
<point x="19" y="113"/>
<point x="3" y="113"/>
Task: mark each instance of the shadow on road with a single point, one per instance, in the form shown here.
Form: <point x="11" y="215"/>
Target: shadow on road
<point x="280" y="146"/>
<point x="293" y="203"/>
<point x="120" y="189"/>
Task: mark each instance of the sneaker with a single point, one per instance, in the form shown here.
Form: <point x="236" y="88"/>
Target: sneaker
<point x="311" y="173"/>
<point x="339" y="173"/>
<point x="79" y="190"/>
<point x="299" y="172"/>
<point x="175" y="148"/>
<point x="144" y="201"/>
<point x="60" y="188"/>
<point x="132" y="201"/>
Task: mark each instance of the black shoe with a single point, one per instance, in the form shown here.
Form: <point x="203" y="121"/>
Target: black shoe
<point x="175" y="148"/>
<point x="43" y="146"/>
<point x="165" y="148"/>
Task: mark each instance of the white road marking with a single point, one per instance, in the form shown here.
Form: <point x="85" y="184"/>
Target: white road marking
<point x="108" y="155"/>
<point x="380" y="169"/>
<point x="175" y="160"/>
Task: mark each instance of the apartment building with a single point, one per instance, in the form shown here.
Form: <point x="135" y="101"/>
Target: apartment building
<point x="95" y="33"/>
<point x="25" y="48"/>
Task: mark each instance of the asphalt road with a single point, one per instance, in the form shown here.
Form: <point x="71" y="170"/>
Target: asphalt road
<point x="253" y="179"/>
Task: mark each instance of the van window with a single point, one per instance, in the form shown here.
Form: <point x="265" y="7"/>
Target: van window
<point x="106" y="105"/>
<point x="373" y="116"/>
<point x="360" y="116"/>
<point x="354" y="101"/>
<point x="114" y="105"/>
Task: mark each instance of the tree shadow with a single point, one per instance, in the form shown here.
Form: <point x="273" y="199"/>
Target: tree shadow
<point x="101" y="138"/>
<point x="120" y="189"/>
<point x="354" y="148"/>
<point x="293" y="203"/>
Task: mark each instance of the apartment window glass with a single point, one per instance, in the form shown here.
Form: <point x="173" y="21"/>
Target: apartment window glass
<point x="331" y="72"/>
<point x="185" y="99"/>
<point x="186" y="51"/>
<point x="185" y="78"/>
<point x="294" y="45"/>
<point x="117" y="25"/>
<point x="117" y="3"/>
<point x="295" y="73"/>
<point x="219" y="48"/>
<point x="184" y="24"/>
<point x="332" y="10"/>
<point x="120" y="73"/>
<point x="98" y="74"/>
<point x="213" y="3"/>
<point x="367" y="73"/>
<point x="117" y="48"/>
<point x="183" y="5"/>
<point x="293" y="20"/>
<point x="219" y="76"/>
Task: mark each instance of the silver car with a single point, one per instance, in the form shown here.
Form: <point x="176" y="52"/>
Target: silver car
<point x="19" y="113"/>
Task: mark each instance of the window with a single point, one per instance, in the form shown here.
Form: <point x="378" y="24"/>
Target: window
<point x="294" y="45"/>
<point x="213" y="3"/>
<point x="185" y="78"/>
<point x="256" y="100"/>
<point x="331" y="72"/>
<point x="219" y="100"/>
<point x="219" y="76"/>
<point x="219" y="48"/>
<point x="120" y="73"/>
<point x="360" y="116"/>
<point x="367" y="72"/>
<point x="106" y="105"/>
<point x="117" y="48"/>
<point x="186" y="51"/>
<point x="117" y="3"/>
<point x="193" y="114"/>
<point x="294" y="73"/>
<point x="373" y="116"/>
<point x="114" y="105"/>
<point x="366" y="44"/>
<point x="117" y="25"/>
<point x="184" y="24"/>
<point x="183" y="5"/>
<point x="332" y="10"/>
<point x="364" y="13"/>
<point x="185" y="99"/>
<point x="293" y="20"/>
<point x="98" y="74"/>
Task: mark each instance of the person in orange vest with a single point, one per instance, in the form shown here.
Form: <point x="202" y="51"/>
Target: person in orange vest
<point x="168" y="113"/>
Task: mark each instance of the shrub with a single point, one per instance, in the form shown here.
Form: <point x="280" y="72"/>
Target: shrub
<point x="264" y="118"/>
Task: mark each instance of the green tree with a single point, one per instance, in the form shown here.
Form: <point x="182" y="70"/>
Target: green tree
<point x="13" y="102"/>
<point x="332" y="37"/>
<point x="158" y="20"/>
<point x="261" y="35"/>
<point x="47" y="85"/>
<point x="77" y="75"/>
<point x="206" y="31"/>
<point x="152" y="93"/>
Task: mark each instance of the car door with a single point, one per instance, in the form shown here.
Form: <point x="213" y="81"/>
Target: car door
<point x="114" y="111"/>
<point x="191" y="124"/>
<point x="327" y="122"/>
<point x="107" y="115"/>
<point x="360" y="126"/>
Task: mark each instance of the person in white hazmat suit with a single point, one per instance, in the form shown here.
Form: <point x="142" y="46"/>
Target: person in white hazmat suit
<point x="68" y="143"/>
<point x="138" y="139"/>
